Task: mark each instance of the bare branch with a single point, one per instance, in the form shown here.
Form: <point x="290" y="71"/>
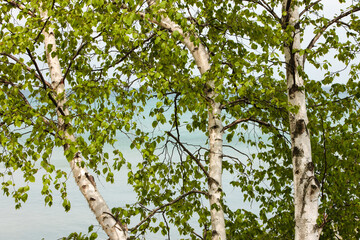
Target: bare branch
<point x="266" y="7"/>
<point x="197" y="235"/>
<point x="237" y="150"/>
<point x="153" y="212"/>
<point x="190" y="154"/>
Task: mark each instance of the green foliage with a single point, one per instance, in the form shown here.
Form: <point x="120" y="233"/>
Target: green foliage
<point x="122" y="68"/>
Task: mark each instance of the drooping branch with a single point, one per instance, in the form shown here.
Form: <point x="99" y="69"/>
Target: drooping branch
<point x="323" y="29"/>
<point x="176" y="115"/>
<point x="153" y="212"/>
<point x="190" y="154"/>
<point x="26" y="67"/>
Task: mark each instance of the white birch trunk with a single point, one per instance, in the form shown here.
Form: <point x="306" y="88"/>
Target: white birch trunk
<point x="201" y="58"/>
<point x="306" y="186"/>
<point x="113" y="228"/>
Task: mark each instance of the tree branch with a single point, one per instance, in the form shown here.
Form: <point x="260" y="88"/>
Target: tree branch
<point x="190" y="154"/>
<point x="26" y="101"/>
<point x="323" y="29"/>
<point x="245" y="120"/>
<point x="44" y="83"/>
<point x="41" y="77"/>
<point x="308" y="7"/>
<point x="25" y="66"/>
<point x="266" y="7"/>
<point x="153" y="212"/>
<point x="236" y="122"/>
<point x="245" y="100"/>
<point x="19" y="6"/>
<point x="75" y="55"/>
<point x="42" y="29"/>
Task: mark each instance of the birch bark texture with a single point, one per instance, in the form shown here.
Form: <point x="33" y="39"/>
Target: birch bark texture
<point x="215" y="128"/>
<point x="306" y="186"/>
<point x="113" y="227"/>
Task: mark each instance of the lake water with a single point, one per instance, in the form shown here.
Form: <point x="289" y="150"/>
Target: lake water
<point x="35" y="221"/>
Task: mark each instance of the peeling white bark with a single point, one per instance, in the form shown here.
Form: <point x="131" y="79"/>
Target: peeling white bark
<point x="306" y="186"/>
<point x="113" y="228"/>
<point x="201" y="58"/>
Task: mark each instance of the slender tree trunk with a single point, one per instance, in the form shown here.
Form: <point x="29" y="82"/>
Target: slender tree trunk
<point x="113" y="228"/>
<point x="201" y="58"/>
<point x="306" y="186"/>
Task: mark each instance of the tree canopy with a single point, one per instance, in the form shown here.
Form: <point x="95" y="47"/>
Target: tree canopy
<point x="166" y="72"/>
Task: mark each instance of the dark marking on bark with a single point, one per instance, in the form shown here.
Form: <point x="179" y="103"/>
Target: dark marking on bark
<point x="317" y="182"/>
<point x="212" y="181"/>
<point x="207" y="89"/>
<point x="313" y="189"/>
<point x="297" y="164"/>
<point x="300" y="128"/>
<point x="91" y="179"/>
<point x="83" y="186"/>
<point x="304" y="197"/>
<point x="297" y="152"/>
<point x="92" y="199"/>
<point x="294" y="88"/>
<point x="310" y="166"/>
<point x="214" y="233"/>
<point x="123" y="227"/>
<point x="297" y="172"/>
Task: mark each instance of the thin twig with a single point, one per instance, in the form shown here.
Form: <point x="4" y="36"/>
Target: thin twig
<point x="153" y="212"/>
<point x="44" y="83"/>
<point x="322" y="30"/>
<point x="190" y="154"/>
<point x="308" y="7"/>
<point x="42" y="29"/>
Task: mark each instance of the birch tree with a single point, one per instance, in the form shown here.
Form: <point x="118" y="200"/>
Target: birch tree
<point x="214" y="67"/>
<point x="54" y="93"/>
<point x="307" y="187"/>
